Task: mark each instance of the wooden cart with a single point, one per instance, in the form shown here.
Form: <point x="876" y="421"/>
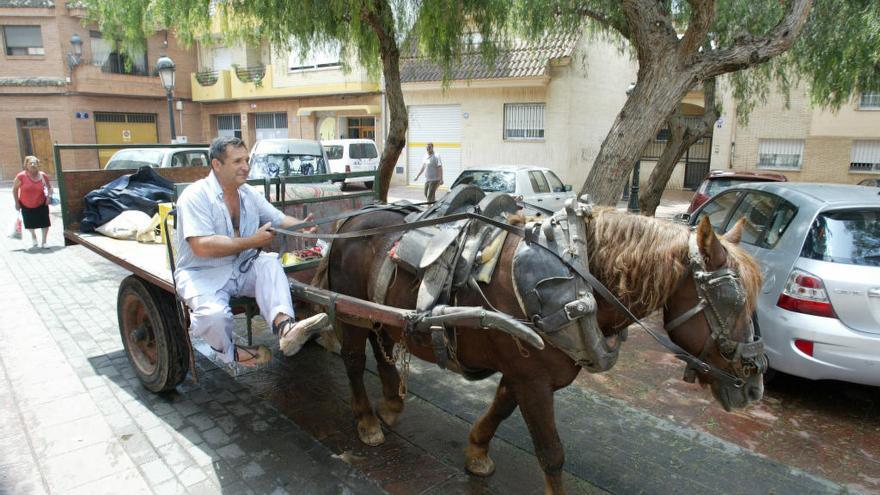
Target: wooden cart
<point x="149" y="324"/>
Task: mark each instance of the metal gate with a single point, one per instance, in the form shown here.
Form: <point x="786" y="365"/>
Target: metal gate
<point x="696" y="163"/>
<point x="438" y="124"/>
<point x="125" y="128"/>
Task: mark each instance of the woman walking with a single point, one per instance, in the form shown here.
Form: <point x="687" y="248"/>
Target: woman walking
<point x="31" y="192"/>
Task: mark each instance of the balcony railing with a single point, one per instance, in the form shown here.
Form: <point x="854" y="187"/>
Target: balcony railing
<point x="253" y="74"/>
<point x="207" y="78"/>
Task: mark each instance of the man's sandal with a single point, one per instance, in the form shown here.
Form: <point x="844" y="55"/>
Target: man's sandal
<point x="252" y="355"/>
<point x="292" y="335"/>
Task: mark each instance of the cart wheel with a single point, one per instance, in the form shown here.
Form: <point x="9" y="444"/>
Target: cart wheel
<point x="151" y="334"/>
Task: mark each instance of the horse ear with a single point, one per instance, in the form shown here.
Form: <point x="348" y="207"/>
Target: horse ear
<point x="710" y="246"/>
<point x="734" y="235"/>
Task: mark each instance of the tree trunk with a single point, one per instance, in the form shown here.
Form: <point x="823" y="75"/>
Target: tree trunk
<point x="679" y="141"/>
<point x="682" y="135"/>
<point x="381" y="20"/>
<point x="655" y="96"/>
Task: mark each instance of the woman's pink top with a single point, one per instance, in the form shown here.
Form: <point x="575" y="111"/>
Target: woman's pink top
<point x="30" y="192"/>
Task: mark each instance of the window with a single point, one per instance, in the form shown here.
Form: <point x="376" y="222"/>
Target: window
<point x="766" y="218"/>
<point x="361" y="128"/>
<point x="488" y="180"/>
<point x="524" y="121"/>
<point x="333" y="151"/>
<point x="555" y="183"/>
<point x="110" y="57"/>
<point x="870" y="100"/>
<point x="229" y="125"/>
<point x="362" y="150"/>
<point x="865" y="156"/>
<point x="718" y="209"/>
<point x="272" y="125"/>
<point x="190" y="159"/>
<point x="539" y="183"/>
<point x="23" y="40"/>
<point x="318" y="57"/>
<point x="784" y="154"/>
<point x="851" y="237"/>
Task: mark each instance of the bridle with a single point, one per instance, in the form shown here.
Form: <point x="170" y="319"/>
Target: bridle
<point x="721" y="298"/>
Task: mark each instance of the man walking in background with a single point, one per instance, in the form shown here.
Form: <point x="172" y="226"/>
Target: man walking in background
<point x="432" y="167"/>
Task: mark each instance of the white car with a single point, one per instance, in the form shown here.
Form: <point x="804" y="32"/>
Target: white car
<point x="536" y="186"/>
<point x="271" y="158"/>
<point x="131" y="158"/>
<point x="352" y="155"/>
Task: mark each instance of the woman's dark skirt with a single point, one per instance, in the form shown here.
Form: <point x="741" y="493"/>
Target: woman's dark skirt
<point x="35" y="218"/>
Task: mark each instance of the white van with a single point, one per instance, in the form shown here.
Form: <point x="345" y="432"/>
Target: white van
<point x="352" y="155"/>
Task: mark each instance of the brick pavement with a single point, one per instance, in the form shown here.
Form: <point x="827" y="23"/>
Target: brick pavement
<point x="75" y="419"/>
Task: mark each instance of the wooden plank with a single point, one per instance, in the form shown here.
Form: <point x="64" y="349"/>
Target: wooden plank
<point x="77" y="183"/>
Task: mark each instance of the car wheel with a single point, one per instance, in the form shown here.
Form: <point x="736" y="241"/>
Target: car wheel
<point x="368" y="184"/>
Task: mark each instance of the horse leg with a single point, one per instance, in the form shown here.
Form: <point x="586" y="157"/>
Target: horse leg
<point x="354" y="343"/>
<point x="477" y="460"/>
<point x="391" y="404"/>
<point x="535" y="399"/>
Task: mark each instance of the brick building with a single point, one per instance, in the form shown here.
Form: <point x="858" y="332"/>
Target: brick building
<point x="49" y="95"/>
<point x="804" y="143"/>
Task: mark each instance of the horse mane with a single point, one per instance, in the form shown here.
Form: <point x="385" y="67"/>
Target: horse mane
<point x="643" y="259"/>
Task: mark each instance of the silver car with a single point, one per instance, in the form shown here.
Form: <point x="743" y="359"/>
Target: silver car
<point x="819" y="247"/>
<point x="538" y="186"/>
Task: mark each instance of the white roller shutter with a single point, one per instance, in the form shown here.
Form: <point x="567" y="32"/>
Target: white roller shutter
<point x="438" y="124"/>
<point x="865" y="156"/>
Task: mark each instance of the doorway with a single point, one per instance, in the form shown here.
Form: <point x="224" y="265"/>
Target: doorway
<point x="36" y="140"/>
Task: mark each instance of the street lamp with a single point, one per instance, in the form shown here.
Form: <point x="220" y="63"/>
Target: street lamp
<point x="75" y="58"/>
<point x="165" y="66"/>
<point x="634" y="189"/>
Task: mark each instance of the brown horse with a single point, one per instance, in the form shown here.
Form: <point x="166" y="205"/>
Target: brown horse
<point x="643" y="261"/>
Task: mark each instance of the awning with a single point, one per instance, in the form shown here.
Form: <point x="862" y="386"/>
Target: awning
<point x="369" y="109"/>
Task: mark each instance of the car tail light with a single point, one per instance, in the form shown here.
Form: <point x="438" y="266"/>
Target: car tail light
<point x="347" y="168"/>
<point x="805" y="346"/>
<point x="805" y="293"/>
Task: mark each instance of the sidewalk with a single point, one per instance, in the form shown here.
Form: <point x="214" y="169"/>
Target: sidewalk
<point x="75" y="419"/>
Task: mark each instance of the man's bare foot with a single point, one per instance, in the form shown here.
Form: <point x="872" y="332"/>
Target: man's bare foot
<point x="250" y="357"/>
<point x="293" y="335"/>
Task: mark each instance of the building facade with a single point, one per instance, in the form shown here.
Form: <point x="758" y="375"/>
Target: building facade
<point x="804" y="143"/>
<point x="548" y="102"/>
<point x="257" y="93"/>
<point x="49" y="94"/>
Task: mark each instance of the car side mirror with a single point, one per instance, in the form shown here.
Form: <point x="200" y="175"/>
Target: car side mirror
<point x="568" y="188"/>
<point x="682" y="218"/>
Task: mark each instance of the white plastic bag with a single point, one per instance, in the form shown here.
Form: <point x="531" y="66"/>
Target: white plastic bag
<point x="126" y="225"/>
<point x="15" y="227"/>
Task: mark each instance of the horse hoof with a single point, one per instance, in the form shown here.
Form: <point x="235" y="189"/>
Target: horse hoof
<point x="371" y="436"/>
<point x="388" y="412"/>
<point x="480" y="466"/>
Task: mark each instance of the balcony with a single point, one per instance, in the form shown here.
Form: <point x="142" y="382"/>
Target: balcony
<point x="211" y="85"/>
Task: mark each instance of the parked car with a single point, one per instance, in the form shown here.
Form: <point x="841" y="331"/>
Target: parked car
<point x="819" y="249"/>
<point x="352" y="155"/>
<point x="534" y="185"/>
<point x="277" y="157"/>
<point x="870" y="182"/>
<point x="719" y="180"/>
<point x="158" y="158"/>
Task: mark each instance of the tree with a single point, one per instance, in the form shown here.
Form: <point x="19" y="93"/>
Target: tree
<point x="682" y="134"/>
<point x="671" y="64"/>
<point x="371" y="32"/>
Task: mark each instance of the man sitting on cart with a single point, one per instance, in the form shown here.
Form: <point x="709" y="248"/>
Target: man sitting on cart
<point x="222" y="226"/>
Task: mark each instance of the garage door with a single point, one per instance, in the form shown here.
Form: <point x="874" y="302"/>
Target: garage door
<point x="271" y="125"/>
<point x="438" y="124"/>
<point x="123" y="128"/>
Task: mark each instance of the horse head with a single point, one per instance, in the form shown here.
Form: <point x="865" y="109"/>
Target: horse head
<point x="709" y="315"/>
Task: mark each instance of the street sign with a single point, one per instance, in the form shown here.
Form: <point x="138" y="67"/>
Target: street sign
<point x="126" y="136"/>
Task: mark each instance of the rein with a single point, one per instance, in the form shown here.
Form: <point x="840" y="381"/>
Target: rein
<point x="692" y="362"/>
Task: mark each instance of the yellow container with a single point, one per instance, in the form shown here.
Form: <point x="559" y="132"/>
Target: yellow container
<point x="164" y="209"/>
